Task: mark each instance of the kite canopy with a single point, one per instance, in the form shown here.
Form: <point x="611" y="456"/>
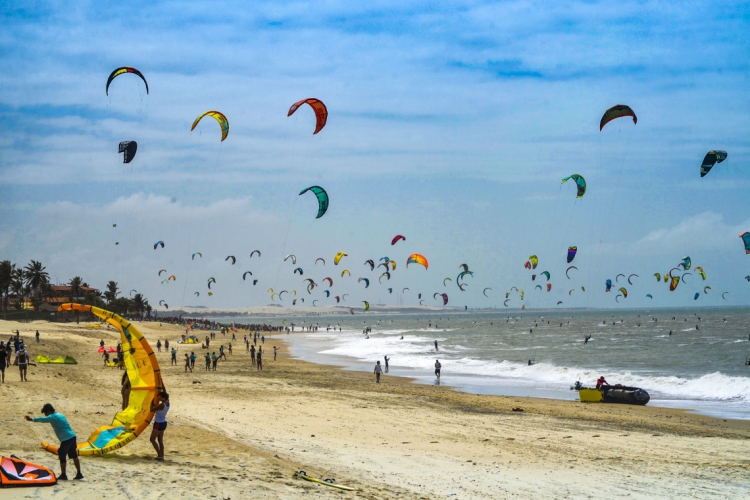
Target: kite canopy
<point x="572" y="253"/>
<point x="397" y="238"/>
<point x="17" y="472"/>
<point x="580" y="184"/>
<point x="338" y="258"/>
<point x="416" y="258"/>
<point x="219" y="117"/>
<point x="129" y="148"/>
<point x="746" y="240"/>
<point x="321" y="112"/>
<point x="121" y="71"/>
<point x="145" y="380"/>
<point x="711" y="159"/>
<point x="322" y="196"/>
<point x="367" y="305"/>
<point x="617" y="111"/>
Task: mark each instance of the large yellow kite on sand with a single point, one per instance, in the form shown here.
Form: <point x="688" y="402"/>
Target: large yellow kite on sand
<point x="145" y="380"/>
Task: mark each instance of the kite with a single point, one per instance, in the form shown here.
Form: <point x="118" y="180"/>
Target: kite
<point x="533" y="277"/>
<point x="608" y="284"/>
<point x="367" y="282"/>
<point x="461" y="286"/>
<point x="527" y="265"/>
<point x="446" y="279"/>
<point x="129" y="148"/>
<point x="701" y="271"/>
<point x="397" y="238"/>
<point x="746" y="240"/>
<point x="658" y="277"/>
<point x="696" y="296"/>
<point x="630" y="282"/>
<point x="546" y="273"/>
<point x="616" y="297"/>
<point x="274" y="295"/>
<point x="580" y="183"/>
<point x="367" y="305"/>
<point x="345" y="271"/>
<point x="145" y="381"/>
<point x="298" y="270"/>
<point x="416" y="258"/>
<point x="338" y="258"/>
<point x="624" y="292"/>
<point x="534" y="261"/>
<point x="666" y="278"/>
<point x="538" y="286"/>
<point x="674" y="283"/>
<point x="161" y="302"/>
<point x="254" y="251"/>
<point x="283" y="291"/>
<point x="294" y="258"/>
<point x="197" y="294"/>
<point x="570" y="292"/>
<point x="706" y="289"/>
<point x="343" y="297"/>
<point x="219" y="117"/>
<point x="269" y="290"/>
<point x="393" y="265"/>
<point x="617" y="278"/>
<point x="162" y="271"/>
<point x="122" y="71"/>
<point x="686" y="263"/>
<point x="505" y="302"/>
<point x="371" y="263"/>
<point x="338" y="299"/>
<point x="321" y="112"/>
<point x="465" y="266"/>
<point x="461" y="275"/>
<point x="210" y="294"/>
<point x="322" y="196"/>
<point x="686" y="274"/>
<point x="711" y="159"/>
<point x="722" y="295"/>
<point x="405" y="289"/>
<point x="572" y="253"/>
<point x="320" y="258"/>
<point x="173" y="278"/>
<point x="234" y="260"/>
<point x="484" y="292"/>
<point x="549" y="287"/>
<point x="386" y="274"/>
<point x="559" y="302"/>
<point x="197" y="253"/>
<point x="314" y="301"/>
<point x="329" y="280"/>
<point x="158" y="243"/>
<point x="444" y="296"/>
<point x="246" y="273"/>
<point x="568" y="269"/>
<point x="213" y="280"/>
<point x="617" y="111"/>
<point x="386" y="259"/>
<point x="131" y="292"/>
<point x="649" y="296"/>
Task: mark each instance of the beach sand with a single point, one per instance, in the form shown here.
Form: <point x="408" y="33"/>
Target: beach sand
<point x="239" y="433"/>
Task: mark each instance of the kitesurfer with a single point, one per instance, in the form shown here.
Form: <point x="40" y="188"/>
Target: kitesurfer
<point x="378" y="371"/>
<point x="67" y="437"/>
<point x="586" y="339"/>
<point x="160" y="424"/>
<point x="436" y="345"/>
<point x="386" y="358"/>
<point x="601" y="382"/>
<point x="437" y="367"/>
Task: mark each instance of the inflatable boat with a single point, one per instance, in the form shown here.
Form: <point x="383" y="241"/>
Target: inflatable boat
<point x="614" y="394"/>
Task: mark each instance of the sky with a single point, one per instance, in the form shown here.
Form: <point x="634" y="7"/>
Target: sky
<point x="451" y="124"/>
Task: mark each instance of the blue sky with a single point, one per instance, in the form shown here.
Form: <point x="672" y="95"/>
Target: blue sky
<point x="451" y="124"/>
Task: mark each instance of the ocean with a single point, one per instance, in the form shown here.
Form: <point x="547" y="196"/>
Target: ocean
<point x="700" y="366"/>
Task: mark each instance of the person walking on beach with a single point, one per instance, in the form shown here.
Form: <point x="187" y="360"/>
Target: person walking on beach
<point x="166" y="345"/>
<point x="174" y="356"/>
<point x="222" y="354"/>
<point x="208" y="362"/>
<point x="187" y="364"/>
<point x="67" y="437"/>
<point x="160" y="424"/>
<point x="252" y="354"/>
<point x="378" y="371"/>
<point x="436" y="346"/>
<point x="386" y="358"/>
<point x="259" y="360"/>
<point x="192" y="360"/>
<point x="158" y="346"/>
<point x="437" y="368"/>
<point x="22" y="360"/>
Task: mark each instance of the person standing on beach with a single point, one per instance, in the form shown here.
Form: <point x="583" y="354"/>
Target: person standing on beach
<point x="208" y="362"/>
<point x="263" y="339"/>
<point x="3" y="362"/>
<point x="378" y="371"/>
<point x="160" y="424"/>
<point x="166" y="344"/>
<point x="187" y="363"/>
<point x="386" y="358"/>
<point x="437" y="368"/>
<point x="192" y="360"/>
<point x="37" y="336"/>
<point x="214" y="359"/>
<point x="67" y="437"/>
<point x="158" y="346"/>
<point x="252" y="354"/>
<point x="174" y="356"/>
<point x="259" y="361"/>
<point x="22" y="360"/>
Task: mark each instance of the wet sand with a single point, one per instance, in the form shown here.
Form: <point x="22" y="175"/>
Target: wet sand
<point x="240" y="433"/>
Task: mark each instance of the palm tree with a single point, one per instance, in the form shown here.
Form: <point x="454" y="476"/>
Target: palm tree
<point x="75" y="288"/>
<point x="6" y="278"/>
<point x="36" y="277"/>
<point x="138" y="304"/>
<point x="112" y="292"/>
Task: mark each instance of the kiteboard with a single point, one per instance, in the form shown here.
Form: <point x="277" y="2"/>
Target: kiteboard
<point x="326" y="482"/>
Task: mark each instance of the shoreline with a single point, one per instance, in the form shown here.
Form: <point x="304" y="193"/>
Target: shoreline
<point x="397" y="439"/>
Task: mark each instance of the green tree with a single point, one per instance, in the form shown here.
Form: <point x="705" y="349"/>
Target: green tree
<point x="36" y="278"/>
<point x="112" y="292"/>
<point x="75" y="293"/>
<point x="6" y="278"/>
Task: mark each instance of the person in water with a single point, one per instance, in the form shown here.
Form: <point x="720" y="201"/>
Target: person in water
<point x="586" y="339"/>
<point x="436" y="345"/>
<point x="601" y="382"/>
<point x="67" y="437"/>
<point x="160" y="424"/>
<point x="387" y="359"/>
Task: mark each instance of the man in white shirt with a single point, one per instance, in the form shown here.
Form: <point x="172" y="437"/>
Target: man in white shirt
<point x="378" y="371"/>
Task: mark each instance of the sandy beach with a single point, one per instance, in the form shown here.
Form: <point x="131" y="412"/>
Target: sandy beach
<point x="240" y="433"/>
